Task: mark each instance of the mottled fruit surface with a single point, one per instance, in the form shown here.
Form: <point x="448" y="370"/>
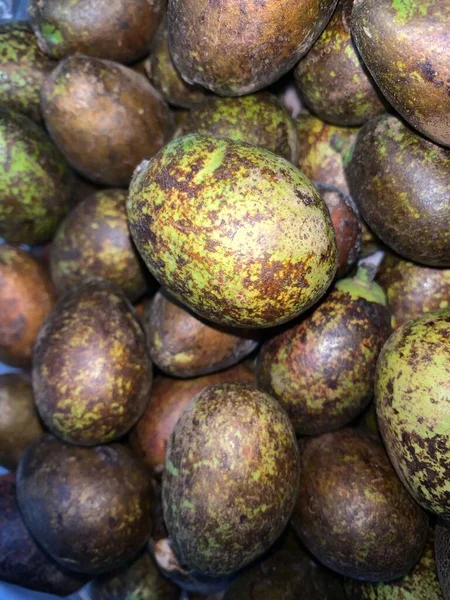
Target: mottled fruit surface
<point x="322" y="369"/>
<point x="322" y="148"/>
<point x="182" y="345"/>
<point x="26" y="296"/>
<point x="236" y="233"/>
<point x="113" y="29"/>
<point x="412" y="289"/>
<point x="406" y="46"/>
<point x="352" y="511"/>
<point x="235" y="48"/>
<point x="168" y="399"/>
<point x="23" y="68"/>
<point x="332" y="78"/>
<point x="91" y="370"/>
<point x="22" y="561"/>
<point x="94" y="242"/>
<point x="231" y="478"/>
<point x="104" y="117"/>
<point x="20" y="424"/>
<point x="411" y="390"/>
<point x="258" y="119"/>
<point x="442" y="553"/>
<point x="89" y="508"/>
<point x="401" y="184"/>
<point x="35" y="181"/>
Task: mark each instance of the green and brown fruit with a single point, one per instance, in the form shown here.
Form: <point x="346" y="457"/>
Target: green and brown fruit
<point x="352" y="511"/>
<point x="442" y="552"/>
<point x="235" y="48"/>
<point x="168" y="399"/>
<point x="411" y="390"/>
<point x="35" y="181"/>
<point x="112" y="29"/>
<point x="400" y="182"/>
<point x="412" y="289"/>
<point x="230" y="479"/>
<point x="421" y="583"/>
<point x="236" y="233"/>
<point x="23" y="68"/>
<point x="94" y="242"/>
<point x="27" y="296"/>
<point x="182" y="345"/>
<point x="22" y="561"/>
<point x="406" y="46"/>
<point x="89" y="508"/>
<point x="20" y="424"/>
<point x="332" y="78"/>
<point x="104" y="117"/>
<point x="91" y="371"/>
<point x="322" y="369"/>
<point x="258" y="119"/>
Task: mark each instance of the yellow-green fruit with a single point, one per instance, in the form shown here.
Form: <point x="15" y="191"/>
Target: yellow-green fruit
<point x="238" y="234"/>
<point x="412" y="390"/>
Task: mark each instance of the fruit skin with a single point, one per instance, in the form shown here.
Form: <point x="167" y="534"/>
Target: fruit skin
<point x="352" y="511"/>
<point x="442" y="549"/>
<point x="168" y="399"/>
<point x="216" y="222"/>
<point x="139" y="581"/>
<point x="22" y="561"/>
<point x="91" y="372"/>
<point x="230" y="480"/>
<point x="333" y="79"/>
<point x="35" y="181"/>
<point x="82" y="95"/>
<point x="27" y="296"/>
<point x="112" y="29"/>
<point x="420" y="584"/>
<point x="412" y="289"/>
<point x="406" y="45"/>
<point x="20" y="424"/>
<point x="23" y="68"/>
<point x="182" y="345"/>
<point x="253" y="45"/>
<point x="411" y="386"/>
<point x="393" y="171"/>
<point x="322" y="369"/>
<point x="94" y="242"/>
<point x="258" y="119"/>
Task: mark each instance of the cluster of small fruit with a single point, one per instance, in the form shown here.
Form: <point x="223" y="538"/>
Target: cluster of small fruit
<point x="218" y="434"/>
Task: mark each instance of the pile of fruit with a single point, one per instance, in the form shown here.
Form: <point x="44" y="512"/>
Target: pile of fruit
<point x="220" y="391"/>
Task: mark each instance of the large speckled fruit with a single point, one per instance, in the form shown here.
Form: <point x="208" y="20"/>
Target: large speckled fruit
<point x="406" y="46"/>
<point x="168" y="399"/>
<point x="89" y="508"/>
<point x="23" y="68"/>
<point x="442" y="549"/>
<point x="35" y="181"/>
<point x="22" y="561"/>
<point x="113" y="29"/>
<point x="27" y="296"/>
<point x="259" y="120"/>
<point x="332" y="78"/>
<point x="412" y="289"/>
<point x="104" y="117"/>
<point x="420" y="584"/>
<point x="139" y="581"/>
<point x="322" y="369"/>
<point x="411" y="391"/>
<point x="352" y="511"/>
<point x="400" y="182"/>
<point x="91" y="371"/>
<point x="94" y="242"/>
<point x="235" y="48"/>
<point x="182" y="345"/>
<point x="236" y="233"/>
<point x="231" y="478"/>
